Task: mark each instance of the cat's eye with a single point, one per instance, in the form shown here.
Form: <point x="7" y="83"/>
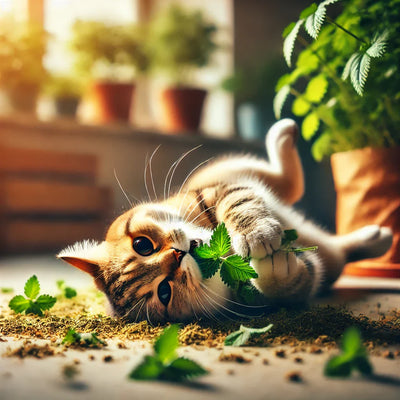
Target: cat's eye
<point x="164" y="292"/>
<point x="143" y="246"/>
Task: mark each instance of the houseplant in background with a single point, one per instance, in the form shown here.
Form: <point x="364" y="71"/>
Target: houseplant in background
<point x="65" y="91"/>
<point x="22" y="47"/>
<point x="109" y="57"/>
<point x="253" y="88"/>
<point x="346" y="85"/>
<point x="180" y="41"/>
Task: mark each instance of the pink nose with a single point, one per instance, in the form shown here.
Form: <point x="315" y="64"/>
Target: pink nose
<point x="179" y="254"/>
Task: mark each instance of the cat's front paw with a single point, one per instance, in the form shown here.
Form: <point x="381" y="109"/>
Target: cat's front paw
<point x="258" y="243"/>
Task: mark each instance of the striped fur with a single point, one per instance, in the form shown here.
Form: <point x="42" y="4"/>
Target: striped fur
<point x="253" y="198"/>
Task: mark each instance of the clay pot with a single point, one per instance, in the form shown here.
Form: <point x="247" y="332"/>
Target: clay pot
<point x="181" y="109"/>
<point x="367" y="183"/>
<point x="111" y="101"/>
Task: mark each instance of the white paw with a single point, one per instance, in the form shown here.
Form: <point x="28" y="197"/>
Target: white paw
<point x="258" y="243"/>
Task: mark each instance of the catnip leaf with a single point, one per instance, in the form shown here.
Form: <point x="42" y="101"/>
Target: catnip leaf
<point x="88" y="339"/>
<point x="338" y="366"/>
<point x="166" y="344"/>
<point x="316" y="89"/>
<point x="208" y="266"/>
<point x="351" y="343"/>
<point x="280" y="100"/>
<point x="301" y="107"/>
<point x="60" y="284"/>
<point x="378" y="45"/>
<point x="308" y="11"/>
<point x="241" y="337"/>
<point x="235" y="269"/>
<point x="183" y="368"/>
<point x="220" y="241"/>
<point x="310" y="125"/>
<point x="205" y="251"/>
<point x="69" y="292"/>
<point x="363" y="365"/>
<point x="32" y="287"/>
<point x="34" y="309"/>
<point x="288" y="44"/>
<point x="45" y="301"/>
<point x="149" y="369"/>
<point x="288" y="29"/>
<point x="19" y="304"/>
<point x="71" y="337"/>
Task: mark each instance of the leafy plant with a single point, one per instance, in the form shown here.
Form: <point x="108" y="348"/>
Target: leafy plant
<point x="66" y="291"/>
<point x="62" y="86"/>
<point x="242" y="336"/>
<point x="347" y="73"/>
<point x="32" y="303"/>
<point x="353" y="357"/>
<point x="113" y="52"/>
<point x="165" y="363"/>
<point x="82" y="339"/>
<point x="211" y="258"/>
<point x="180" y="41"/>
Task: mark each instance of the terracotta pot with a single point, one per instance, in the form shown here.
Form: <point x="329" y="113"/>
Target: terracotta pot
<point x="181" y="109"/>
<point x="111" y="101"/>
<point x="367" y="183"/>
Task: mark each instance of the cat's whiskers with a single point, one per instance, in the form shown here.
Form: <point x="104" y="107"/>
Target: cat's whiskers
<point x="205" y="311"/>
<point x="191" y="208"/>
<point x="151" y="172"/>
<point x="174" y="166"/>
<point x="148" y="315"/>
<point x="199" y="215"/>
<point x="123" y="190"/>
<point x="139" y="302"/>
<point x="145" y="178"/>
<point x="140" y="309"/>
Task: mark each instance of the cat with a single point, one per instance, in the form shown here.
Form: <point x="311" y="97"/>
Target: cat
<point x="145" y="265"/>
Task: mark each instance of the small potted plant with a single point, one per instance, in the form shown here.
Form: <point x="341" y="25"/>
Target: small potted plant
<point x="346" y="86"/>
<point x="22" y="47"/>
<point x="181" y="41"/>
<point x="253" y="89"/>
<point x="65" y="91"/>
<point x="110" y="57"/>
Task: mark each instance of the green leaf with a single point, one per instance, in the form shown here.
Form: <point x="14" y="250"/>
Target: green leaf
<point x="7" y="290"/>
<point x="220" y="241"/>
<point x="289" y="236"/>
<point x="205" y="251"/>
<point x="69" y="292"/>
<point x="45" y="302"/>
<point x="351" y="342"/>
<point x="307" y="62"/>
<point x="235" y="269"/>
<point x="315" y="20"/>
<point x="166" y="344"/>
<point x="88" y="339"/>
<point x="308" y="11"/>
<point x="280" y="99"/>
<point x="19" y="304"/>
<point x="363" y="365"/>
<point x="183" y="368"/>
<point x="60" y="284"/>
<point x="316" y="89"/>
<point x="149" y="369"/>
<point x="288" y="29"/>
<point x="357" y="67"/>
<point x="241" y="337"/>
<point x="322" y="146"/>
<point x="288" y="44"/>
<point x="301" y="107"/>
<point x="338" y="366"/>
<point x="32" y="287"/>
<point x="378" y="45"/>
<point x="208" y="267"/>
<point x="34" y="309"/>
<point x="310" y="125"/>
<point x="71" y="337"/>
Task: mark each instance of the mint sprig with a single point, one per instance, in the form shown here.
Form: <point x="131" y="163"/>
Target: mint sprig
<point x="90" y="339"/>
<point x="32" y="304"/>
<point x="165" y="363"/>
<point x="65" y="290"/>
<point x="353" y="357"/>
<point x="243" y="335"/>
<point x="212" y="257"/>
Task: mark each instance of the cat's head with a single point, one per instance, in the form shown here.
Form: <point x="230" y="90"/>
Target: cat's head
<point x="145" y="264"/>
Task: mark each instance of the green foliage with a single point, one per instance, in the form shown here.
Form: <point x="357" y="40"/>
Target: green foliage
<point x="6" y="290"/>
<point x="23" y="46"/>
<point x="288" y="239"/>
<point x="66" y="291"/>
<point x="346" y="81"/>
<point x="32" y="304"/>
<point x="353" y="357"/>
<point x="211" y="258"/>
<point x="165" y="363"/>
<point x="73" y="338"/>
<point x="61" y="86"/>
<point x="181" y="40"/>
<point x="242" y="336"/>
<point x="113" y="52"/>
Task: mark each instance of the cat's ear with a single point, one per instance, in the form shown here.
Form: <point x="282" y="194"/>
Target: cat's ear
<point x="87" y="256"/>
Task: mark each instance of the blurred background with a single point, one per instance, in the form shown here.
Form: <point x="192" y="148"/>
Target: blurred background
<point x="90" y="88"/>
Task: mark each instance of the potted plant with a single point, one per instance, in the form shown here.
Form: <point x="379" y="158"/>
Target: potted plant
<point x="22" y="47"/>
<point x="180" y="41"/>
<point x="346" y="85"/>
<point x="253" y="89"/>
<point x="65" y="91"/>
<point x="110" y="57"/>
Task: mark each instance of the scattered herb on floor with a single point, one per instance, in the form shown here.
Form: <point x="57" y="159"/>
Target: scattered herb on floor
<point x="66" y="291"/>
<point x="70" y="371"/>
<point x="73" y="338"/>
<point x="353" y="357"/>
<point x="165" y="363"/>
<point x="6" y="290"/>
<point x="32" y="304"/>
<point x="288" y="239"/>
<point x="34" y="350"/>
<point x="242" y="336"/>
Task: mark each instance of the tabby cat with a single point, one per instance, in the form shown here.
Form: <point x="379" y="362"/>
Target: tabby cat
<point x="145" y="264"/>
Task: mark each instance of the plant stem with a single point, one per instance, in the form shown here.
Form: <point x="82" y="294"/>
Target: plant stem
<point x="330" y="20"/>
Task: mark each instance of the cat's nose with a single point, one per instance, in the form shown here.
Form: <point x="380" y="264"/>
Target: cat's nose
<point x="179" y="254"/>
<point x="195" y="243"/>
